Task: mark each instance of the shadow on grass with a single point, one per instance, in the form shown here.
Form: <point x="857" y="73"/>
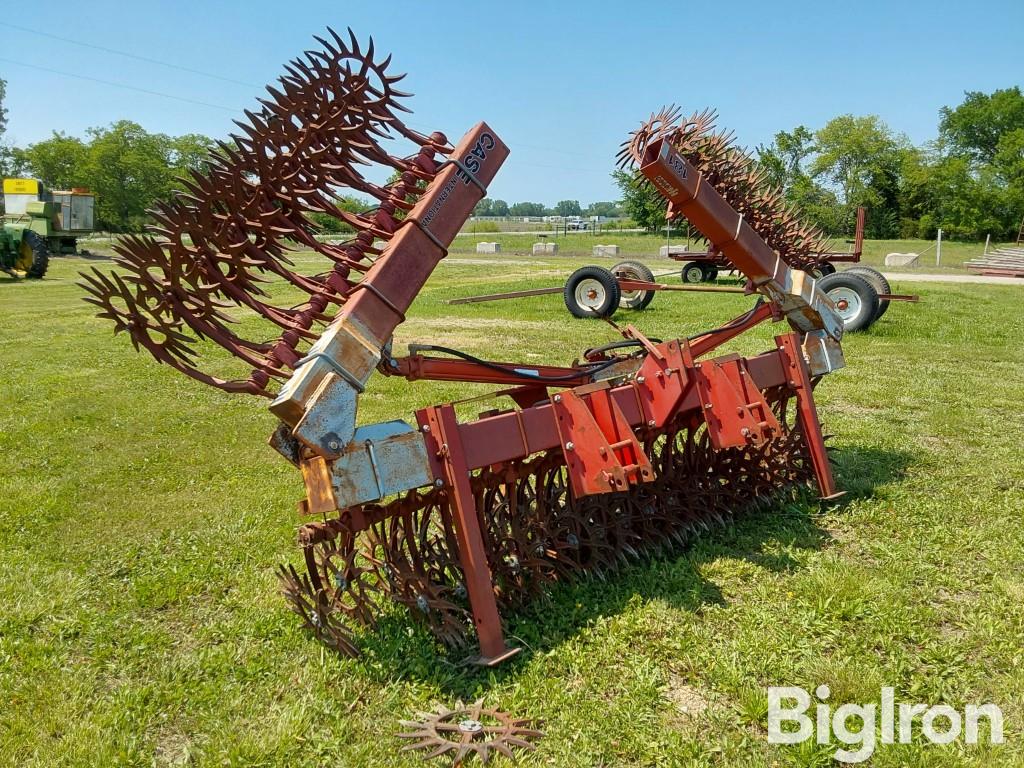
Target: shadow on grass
<point x="859" y="470"/>
<point x="764" y="535"/>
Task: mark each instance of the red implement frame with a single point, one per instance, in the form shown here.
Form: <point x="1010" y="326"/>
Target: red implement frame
<point x="601" y="417"/>
<point x="595" y="427"/>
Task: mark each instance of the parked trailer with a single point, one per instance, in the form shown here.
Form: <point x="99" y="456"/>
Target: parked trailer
<point x="861" y="294"/>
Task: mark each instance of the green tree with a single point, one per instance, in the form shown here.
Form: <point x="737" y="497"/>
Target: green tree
<point x="128" y="169"/>
<point x="568" y="208"/>
<point x="500" y="208"/>
<point x="190" y="152"/>
<point x="3" y="109"/>
<point x="59" y="161"/>
<point x="607" y="210"/>
<point x="976" y="127"/>
<point x="784" y="158"/>
<point x="6" y="155"/>
<point x="862" y="158"/>
<point x="527" y="209"/>
<point x="483" y="208"/>
<point x="641" y="201"/>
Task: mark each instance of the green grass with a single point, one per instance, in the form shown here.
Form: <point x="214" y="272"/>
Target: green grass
<point x="141" y="515"/>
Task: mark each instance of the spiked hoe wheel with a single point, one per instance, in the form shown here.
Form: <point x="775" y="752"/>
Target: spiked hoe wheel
<point x="468" y="730"/>
<point x="633" y="447"/>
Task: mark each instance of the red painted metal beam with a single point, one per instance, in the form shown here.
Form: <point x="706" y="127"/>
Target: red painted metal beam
<point x="517" y="434"/>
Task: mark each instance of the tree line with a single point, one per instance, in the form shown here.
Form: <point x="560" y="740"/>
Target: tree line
<point x="488" y="207"/>
<point x="969" y="181"/>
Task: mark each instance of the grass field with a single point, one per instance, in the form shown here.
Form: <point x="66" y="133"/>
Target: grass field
<point x="141" y="516"/>
<point x="635" y="244"/>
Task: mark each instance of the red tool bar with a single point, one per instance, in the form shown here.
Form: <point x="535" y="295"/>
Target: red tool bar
<point x="701" y="345"/>
<point x="518" y="434"/>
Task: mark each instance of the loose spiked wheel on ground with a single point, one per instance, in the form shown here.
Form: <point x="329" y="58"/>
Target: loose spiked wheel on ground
<point x="468" y="730"/>
<point x="592" y="292"/>
<point x="855" y="298"/>
<point x="634" y="270"/>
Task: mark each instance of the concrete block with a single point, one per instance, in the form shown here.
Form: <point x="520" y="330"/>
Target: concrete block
<point x="545" y="249"/>
<point x="606" y="250"/>
<point x="488" y="247"/>
<point x="665" y="251"/>
<point x="902" y="260"/>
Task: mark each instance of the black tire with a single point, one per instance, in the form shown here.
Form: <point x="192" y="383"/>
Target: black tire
<point x="634" y="270"/>
<point x="824" y="269"/>
<point x="693" y="272"/>
<point x="591" y="292"/>
<point x="878" y="282"/>
<point x="710" y="273"/>
<point x="40" y="254"/>
<point x="855" y="298"/>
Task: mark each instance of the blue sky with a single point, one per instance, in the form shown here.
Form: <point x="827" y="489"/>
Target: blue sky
<point x="561" y="83"/>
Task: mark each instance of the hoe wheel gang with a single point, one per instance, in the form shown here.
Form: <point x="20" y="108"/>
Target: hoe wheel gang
<point x="634" y="270"/>
<point x="592" y="292"/>
<point x="536" y="534"/>
<point x="33" y="256"/>
<point x="855" y="299"/>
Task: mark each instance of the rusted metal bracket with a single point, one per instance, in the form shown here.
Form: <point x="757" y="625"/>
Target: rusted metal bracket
<point x="601" y="451"/>
<point x="443" y="435"/>
<point x="734" y="408"/>
<point x="799" y="380"/>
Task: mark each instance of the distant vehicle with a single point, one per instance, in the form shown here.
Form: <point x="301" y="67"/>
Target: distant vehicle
<point x="60" y="217"/>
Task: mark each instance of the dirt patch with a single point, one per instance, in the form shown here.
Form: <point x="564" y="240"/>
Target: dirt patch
<point x="173" y="748"/>
<point x="689" y="702"/>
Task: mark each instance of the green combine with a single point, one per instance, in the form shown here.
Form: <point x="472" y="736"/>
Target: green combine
<point x="38" y="223"/>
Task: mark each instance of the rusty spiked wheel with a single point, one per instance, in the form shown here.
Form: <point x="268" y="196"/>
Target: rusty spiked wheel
<point x="468" y="730"/>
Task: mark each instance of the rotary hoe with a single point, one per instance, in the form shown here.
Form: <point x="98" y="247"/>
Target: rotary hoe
<point x="630" y="448"/>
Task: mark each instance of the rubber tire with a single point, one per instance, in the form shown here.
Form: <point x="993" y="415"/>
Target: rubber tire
<point x="40" y="254"/>
<point x="710" y="273"/>
<point x="826" y="268"/>
<point x="607" y="280"/>
<point x="878" y="282"/>
<point x="865" y="292"/>
<point x="689" y="267"/>
<point x="636" y="271"/>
